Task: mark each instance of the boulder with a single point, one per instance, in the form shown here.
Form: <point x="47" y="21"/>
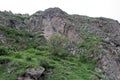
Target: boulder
<point x="32" y="74"/>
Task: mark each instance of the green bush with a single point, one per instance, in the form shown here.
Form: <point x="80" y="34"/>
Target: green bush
<point x="44" y="63"/>
<point x="3" y="50"/>
<point x="89" y="50"/>
<point x="58" y="46"/>
<point x="43" y="48"/>
<point x="5" y="59"/>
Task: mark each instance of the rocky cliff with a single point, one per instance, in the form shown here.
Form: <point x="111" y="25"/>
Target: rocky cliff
<point x="54" y="21"/>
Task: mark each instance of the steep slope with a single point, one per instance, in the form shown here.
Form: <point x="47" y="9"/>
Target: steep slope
<point x="75" y="27"/>
<point x="96" y="37"/>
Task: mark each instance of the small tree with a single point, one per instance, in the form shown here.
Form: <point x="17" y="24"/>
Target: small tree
<point x="58" y="46"/>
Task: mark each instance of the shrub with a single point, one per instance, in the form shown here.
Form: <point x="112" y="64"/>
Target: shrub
<point x="4" y="59"/>
<point x="44" y="63"/>
<point x="42" y="48"/>
<point x="3" y="51"/>
<point x="58" y="46"/>
<point x="89" y="50"/>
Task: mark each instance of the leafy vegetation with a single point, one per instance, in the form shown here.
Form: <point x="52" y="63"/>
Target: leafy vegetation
<point x="89" y="50"/>
<point x="19" y="40"/>
<point x="26" y="50"/>
<point x="58" y="46"/>
<point x="16" y="63"/>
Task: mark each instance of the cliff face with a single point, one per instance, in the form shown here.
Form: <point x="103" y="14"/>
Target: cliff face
<point x="54" y="21"/>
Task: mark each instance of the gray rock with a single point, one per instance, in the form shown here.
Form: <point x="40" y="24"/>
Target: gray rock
<point x="32" y="74"/>
<point x="35" y="73"/>
<point x="110" y="64"/>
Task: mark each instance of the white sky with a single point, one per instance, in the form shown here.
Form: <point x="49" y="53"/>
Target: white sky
<point x="93" y="8"/>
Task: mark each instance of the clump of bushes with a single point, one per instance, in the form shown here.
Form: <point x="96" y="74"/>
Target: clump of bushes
<point x="58" y="46"/>
<point x="89" y="50"/>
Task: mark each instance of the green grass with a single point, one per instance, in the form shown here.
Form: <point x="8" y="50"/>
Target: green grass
<point x="16" y="63"/>
<point x="70" y="68"/>
<point x="20" y="40"/>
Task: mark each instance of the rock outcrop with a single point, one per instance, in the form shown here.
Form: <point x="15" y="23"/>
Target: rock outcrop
<point x="52" y="22"/>
<point x="109" y="63"/>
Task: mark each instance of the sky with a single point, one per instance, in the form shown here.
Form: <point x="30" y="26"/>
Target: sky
<point x="92" y="8"/>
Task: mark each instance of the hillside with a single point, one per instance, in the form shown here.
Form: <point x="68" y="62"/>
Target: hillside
<point x="53" y="45"/>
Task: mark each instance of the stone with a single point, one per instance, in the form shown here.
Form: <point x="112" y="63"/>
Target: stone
<point x="32" y="74"/>
<point x="35" y="73"/>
